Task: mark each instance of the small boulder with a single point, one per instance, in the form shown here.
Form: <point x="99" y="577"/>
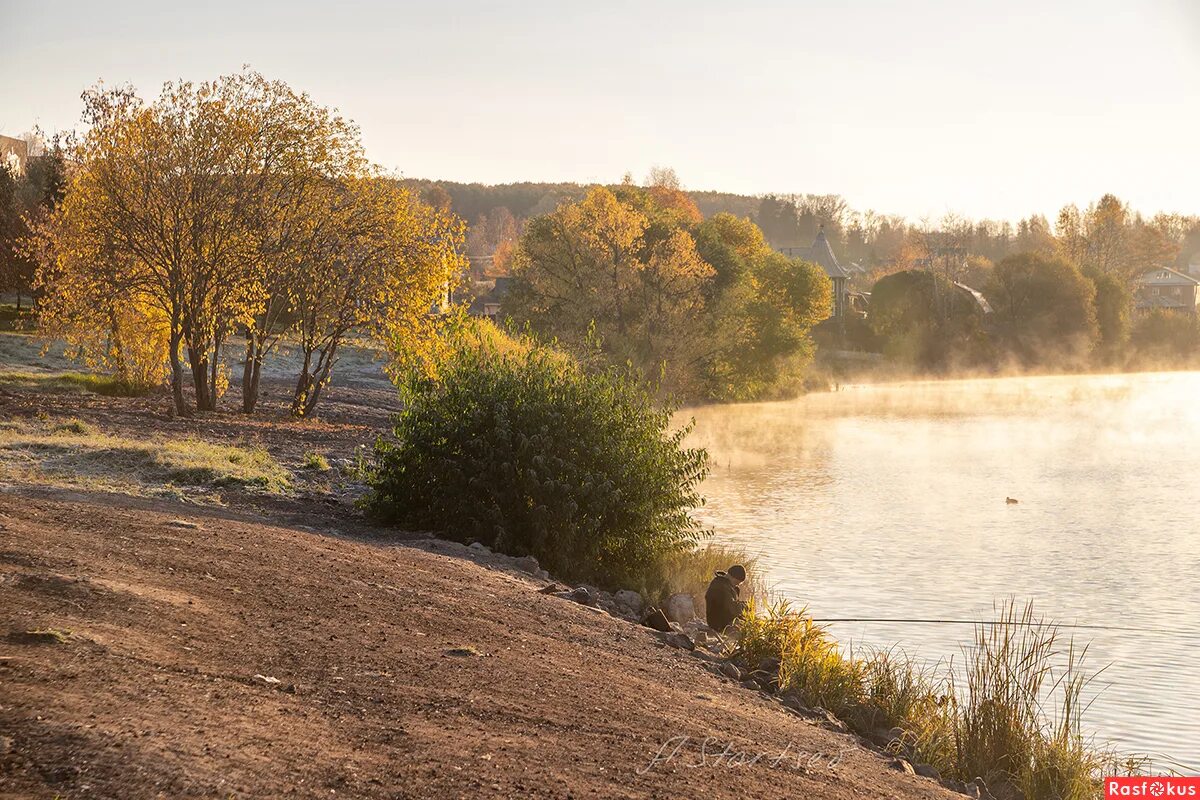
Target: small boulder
<point x="680" y="607"/>
<point x="793" y="702"/>
<point x="527" y="564"/>
<point x="629" y="599"/>
<point x="680" y="640"/>
<point x="656" y="619"/>
<point x="765" y="679"/>
<point x="479" y="547"/>
<point x="928" y="771"/>
<point x="580" y="594"/>
<point x="731" y="671"/>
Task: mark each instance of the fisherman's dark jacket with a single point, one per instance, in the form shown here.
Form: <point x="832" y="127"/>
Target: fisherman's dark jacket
<point x="721" y="602"/>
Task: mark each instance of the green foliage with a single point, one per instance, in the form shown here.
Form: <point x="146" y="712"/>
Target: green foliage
<point x="108" y="385"/>
<point x="315" y="461"/>
<point x="1114" y="304"/>
<point x="529" y="454"/>
<point x="705" y="310"/>
<point x="1167" y="338"/>
<point x="1045" y="310"/>
<point x="924" y="320"/>
<point x="1017" y="721"/>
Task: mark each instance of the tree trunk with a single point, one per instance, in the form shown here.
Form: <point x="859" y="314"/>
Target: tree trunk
<point x="199" y="366"/>
<point x="214" y="369"/>
<point x="321" y="379"/>
<point x="250" y="373"/>
<point x="181" y="407"/>
<point x="303" y="385"/>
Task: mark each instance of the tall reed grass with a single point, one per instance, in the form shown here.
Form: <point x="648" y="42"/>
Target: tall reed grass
<point x="690" y="571"/>
<point x="1011" y="715"/>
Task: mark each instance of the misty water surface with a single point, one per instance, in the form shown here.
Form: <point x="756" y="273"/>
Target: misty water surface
<point x="889" y="502"/>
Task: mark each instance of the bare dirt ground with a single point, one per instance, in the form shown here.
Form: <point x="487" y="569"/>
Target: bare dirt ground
<point x="281" y="647"/>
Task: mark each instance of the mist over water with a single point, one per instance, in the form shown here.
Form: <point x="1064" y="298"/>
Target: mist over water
<point x="888" y="501"/>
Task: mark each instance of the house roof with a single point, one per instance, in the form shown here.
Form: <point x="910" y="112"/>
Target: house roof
<point x="1165" y="276"/>
<point x="822" y="255"/>
<point x="980" y="300"/>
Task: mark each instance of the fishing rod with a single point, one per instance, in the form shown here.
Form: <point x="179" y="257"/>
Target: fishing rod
<point x="1016" y="623"/>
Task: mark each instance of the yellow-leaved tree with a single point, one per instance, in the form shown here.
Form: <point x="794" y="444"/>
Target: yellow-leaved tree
<point x="231" y="206"/>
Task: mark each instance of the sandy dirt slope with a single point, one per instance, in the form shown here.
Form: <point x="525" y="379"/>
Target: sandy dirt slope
<point x="402" y="672"/>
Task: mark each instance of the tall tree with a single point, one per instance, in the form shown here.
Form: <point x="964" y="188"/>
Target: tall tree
<point x="1045" y="308"/>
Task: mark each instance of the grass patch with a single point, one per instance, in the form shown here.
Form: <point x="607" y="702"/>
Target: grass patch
<point x="73" y="427"/>
<point x="41" y="636"/>
<point x="69" y="382"/>
<point x="691" y="571"/>
<point x="17" y="322"/>
<point x="1013" y="719"/>
<point x="73" y="453"/>
<point x="315" y="461"/>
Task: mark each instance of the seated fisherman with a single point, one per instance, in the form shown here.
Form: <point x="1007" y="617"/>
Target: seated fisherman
<point x="722" y="605"/>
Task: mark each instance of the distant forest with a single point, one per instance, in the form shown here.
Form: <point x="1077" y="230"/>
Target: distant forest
<point x="880" y="243"/>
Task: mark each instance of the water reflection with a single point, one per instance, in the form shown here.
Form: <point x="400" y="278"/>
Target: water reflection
<point x="889" y="502"/>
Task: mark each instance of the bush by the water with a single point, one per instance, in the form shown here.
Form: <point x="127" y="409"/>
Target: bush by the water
<point x="1015" y="721"/>
<point x="526" y="452"/>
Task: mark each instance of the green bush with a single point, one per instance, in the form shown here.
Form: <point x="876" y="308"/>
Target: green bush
<point x="531" y="455"/>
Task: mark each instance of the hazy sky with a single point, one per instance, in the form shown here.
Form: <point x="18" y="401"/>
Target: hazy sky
<point x="986" y="108"/>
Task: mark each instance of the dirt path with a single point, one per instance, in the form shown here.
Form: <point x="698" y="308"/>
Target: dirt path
<point x="401" y="673"/>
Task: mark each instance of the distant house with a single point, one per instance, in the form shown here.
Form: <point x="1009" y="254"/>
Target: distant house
<point x="822" y="255"/>
<point x="1168" y="289"/>
<point x="14" y="153"/>
<point x="488" y="297"/>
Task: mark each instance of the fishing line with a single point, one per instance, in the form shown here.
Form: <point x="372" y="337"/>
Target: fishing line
<point x="1014" y="623"/>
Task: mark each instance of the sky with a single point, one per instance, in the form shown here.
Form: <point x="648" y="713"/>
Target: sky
<point x="983" y="108"/>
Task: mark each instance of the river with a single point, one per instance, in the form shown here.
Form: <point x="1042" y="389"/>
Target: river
<point x="889" y="501"/>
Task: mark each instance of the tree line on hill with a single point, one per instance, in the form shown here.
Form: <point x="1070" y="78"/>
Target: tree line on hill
<point x="1114" y="233"/>
<point x="239" y="207"/>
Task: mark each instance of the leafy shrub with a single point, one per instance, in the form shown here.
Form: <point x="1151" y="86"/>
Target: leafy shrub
<point x="530" y="454"/>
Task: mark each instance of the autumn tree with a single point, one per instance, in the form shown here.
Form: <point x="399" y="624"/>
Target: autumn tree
<point x="236" y="205"/>
<point x="1045" y="309"/>
<point x="382" y="266"/>
<point x="26" y="199"/>
<point x="172" y="191"/>
<point x="763" y="307"/>
<point x="924" y="320"/>
<point x="588" y="268"/>
<point x="706" y="309"/>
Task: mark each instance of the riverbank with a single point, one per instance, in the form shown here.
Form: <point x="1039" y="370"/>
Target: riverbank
<point x="213" y="634"/>
<point x="155" y="649"/>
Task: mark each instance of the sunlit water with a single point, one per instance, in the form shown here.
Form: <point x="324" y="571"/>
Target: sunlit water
<point x="889" y="502"/>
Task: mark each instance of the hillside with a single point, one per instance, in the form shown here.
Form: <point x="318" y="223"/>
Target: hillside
<point x="388" y="669"/>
